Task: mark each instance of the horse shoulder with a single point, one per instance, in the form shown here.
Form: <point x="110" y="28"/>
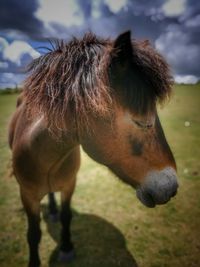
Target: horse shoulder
<point x="12" y="125"/>
<point x="38" y="155"/>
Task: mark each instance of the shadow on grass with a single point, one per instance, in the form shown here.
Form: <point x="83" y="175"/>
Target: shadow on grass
<point x="97" y="242"/>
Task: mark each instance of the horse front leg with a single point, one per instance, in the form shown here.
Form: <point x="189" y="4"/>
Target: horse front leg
<point x="67" y="252"/>
<point x="32" y="209"/>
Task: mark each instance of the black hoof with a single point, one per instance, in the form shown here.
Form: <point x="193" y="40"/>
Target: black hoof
<point x="66" y="256"/>
<point x="54" y="218"/>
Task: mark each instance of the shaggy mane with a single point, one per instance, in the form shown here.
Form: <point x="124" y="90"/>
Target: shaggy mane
<point x="74" y="79"/>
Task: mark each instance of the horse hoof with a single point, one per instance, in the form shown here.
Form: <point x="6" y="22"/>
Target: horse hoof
<point x="54" y="218"/>
<point x="66" y="256"/>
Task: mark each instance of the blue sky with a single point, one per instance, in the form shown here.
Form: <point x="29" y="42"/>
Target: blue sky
<point x="172" y="26"/>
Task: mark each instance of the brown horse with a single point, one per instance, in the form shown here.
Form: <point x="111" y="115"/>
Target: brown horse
<point x="100" y="94"/>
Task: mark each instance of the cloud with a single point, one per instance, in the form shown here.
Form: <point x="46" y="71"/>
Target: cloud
<point x="182" y="53"/>
<point x="4" y="65"/>
<point x="172" y="26"/>
<point x="115" y="6"/>
<point x="65" y="13"/>
<point x="17" y="50"/>
<point x="15" y="55"/>
<point x="3" y="44"/>
<point x="11" y="80"/>
<point x="19" y="16"/>
<point x="193" y="22"/>
<point x="104" y="17"/>
<point x="186" y="79"/>
<point x="180" y="42"/>
<point x="174" y="8"/>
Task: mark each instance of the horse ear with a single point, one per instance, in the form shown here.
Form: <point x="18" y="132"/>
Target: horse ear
<point x="123" y="48"/>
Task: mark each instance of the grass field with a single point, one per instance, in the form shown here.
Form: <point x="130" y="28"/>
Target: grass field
<point x="110" y="227"/>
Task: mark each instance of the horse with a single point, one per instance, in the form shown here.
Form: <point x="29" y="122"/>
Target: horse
<point x="101" y="94"/>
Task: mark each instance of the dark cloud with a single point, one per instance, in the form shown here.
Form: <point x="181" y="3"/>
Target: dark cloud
<point x="177" y="36"/>
<point x="19" y="15"/>
<point x="86" y="7"/>
<point x="180" y="41"/>
<point x="145" y="20"/>
<point x="182" y="53"/>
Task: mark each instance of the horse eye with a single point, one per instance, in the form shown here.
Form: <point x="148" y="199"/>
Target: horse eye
<point x="144" y="125"/>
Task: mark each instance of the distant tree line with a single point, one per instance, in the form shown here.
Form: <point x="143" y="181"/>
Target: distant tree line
<point x="8" y="90"/>
<point x="17" y="90"/>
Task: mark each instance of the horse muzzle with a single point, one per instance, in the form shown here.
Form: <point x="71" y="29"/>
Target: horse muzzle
<point x="158" y="187"/>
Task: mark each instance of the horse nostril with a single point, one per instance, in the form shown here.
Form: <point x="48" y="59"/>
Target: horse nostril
<point x="145" y="197"/>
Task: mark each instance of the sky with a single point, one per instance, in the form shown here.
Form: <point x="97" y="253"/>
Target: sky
<point x="172" y="26"/>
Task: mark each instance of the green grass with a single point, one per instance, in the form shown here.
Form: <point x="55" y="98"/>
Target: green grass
<point x="110" y="227"/>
